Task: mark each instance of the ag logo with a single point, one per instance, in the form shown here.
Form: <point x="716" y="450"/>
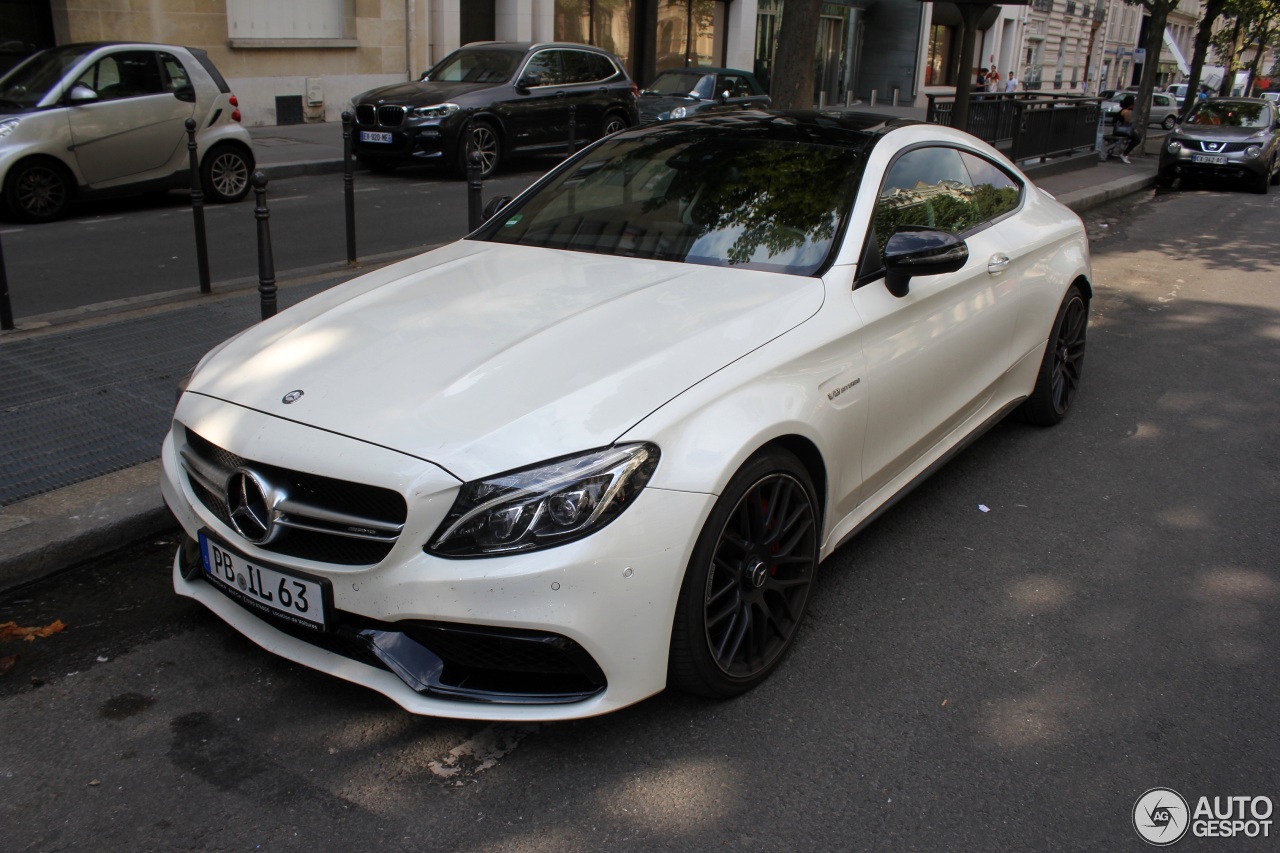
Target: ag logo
<point x="1161" y="816"/>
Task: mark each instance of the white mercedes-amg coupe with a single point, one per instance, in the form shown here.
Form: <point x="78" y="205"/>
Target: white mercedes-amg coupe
<point x="601" y="445"/>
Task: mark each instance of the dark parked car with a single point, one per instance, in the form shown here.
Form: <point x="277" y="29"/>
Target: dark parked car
<point x="683" y="92"/>
<point x="1231" y="138"/>
<point x="502" y="97"/>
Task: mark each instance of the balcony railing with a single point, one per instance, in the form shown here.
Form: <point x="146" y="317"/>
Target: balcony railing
<point x="1042" y="5"/>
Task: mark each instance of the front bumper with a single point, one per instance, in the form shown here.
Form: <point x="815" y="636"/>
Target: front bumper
<point x="603" y="604"/>
<point x="1236" y="167"/>
<point x="429" y="142"/>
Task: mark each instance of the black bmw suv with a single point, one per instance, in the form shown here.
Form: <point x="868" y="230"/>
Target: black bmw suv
<point x="500" y="98"/>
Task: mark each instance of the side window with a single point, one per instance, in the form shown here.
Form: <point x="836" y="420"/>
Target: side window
<point x="995" y="192"/>
<point x="943" y="188"/>
<point x="175" y="75"/>
<point x="578" y="66"/>
<point x="734" y="85"/>
<point x="604" y="67"/>
<point x="545" y="64"/>
<point x="128" y="74"/>
<point x="927" y="186"/>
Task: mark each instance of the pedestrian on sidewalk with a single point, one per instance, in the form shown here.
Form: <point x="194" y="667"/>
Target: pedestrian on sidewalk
<point x="1124" y="127"/>
<point x="993" y="80"/>
<point x="1011" y="85"/>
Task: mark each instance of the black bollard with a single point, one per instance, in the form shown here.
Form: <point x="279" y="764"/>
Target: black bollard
<point x="197" y="208"/>
<point x="266" y="266"/>
<point x="348" y="185"/>
<point x="6" y="310"/>
<point x="475" y="205"/>
<point x="573" y="129"/>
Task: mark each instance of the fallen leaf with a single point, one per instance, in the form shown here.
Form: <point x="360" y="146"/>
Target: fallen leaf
<point x="6" y="664"/>
<point x="14" y="631"/>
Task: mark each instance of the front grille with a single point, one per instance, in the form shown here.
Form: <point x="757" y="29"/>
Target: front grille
<point x="390" y="116"/>
<point x="321" y="518"/>
<point x="365" y="114"/>
<point x="1219" y="148"/>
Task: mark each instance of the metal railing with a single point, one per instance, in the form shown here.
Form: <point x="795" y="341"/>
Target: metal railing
<point x="1026" y="125"/>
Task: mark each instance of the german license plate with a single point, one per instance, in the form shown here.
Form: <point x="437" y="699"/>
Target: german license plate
<point x="1213" y="159"/>
<point x="374" y="136"/>
<point x="286" y="595"/>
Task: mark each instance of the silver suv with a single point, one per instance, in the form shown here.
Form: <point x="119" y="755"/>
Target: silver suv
<point x="97" y="119"/>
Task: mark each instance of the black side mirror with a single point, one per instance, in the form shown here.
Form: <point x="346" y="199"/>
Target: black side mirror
<point x="185" y="93"/>
<point x="916" y="250"/>
<point x="495" y="204"/>
<point x="529" y="80"/>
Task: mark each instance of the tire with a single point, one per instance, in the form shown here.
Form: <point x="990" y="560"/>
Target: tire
<point x="225" y="173"/>
<point x="1164" y="181"/>
<point x="1168" y="123"/>
<point x="1062" y="365"/>
<point x="1262" y="185"/>
<point x="1275" y="173"/>
<point x="745" y="590"/>
<point x="482" y="137"/>
<point x="38" y="190"/>
<point x="613" y="123"/>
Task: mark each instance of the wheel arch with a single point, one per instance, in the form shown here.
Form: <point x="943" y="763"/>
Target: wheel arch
<point x="246" y="150"/>
<point x="810" y="457"/>
<point x="67" y="169"/>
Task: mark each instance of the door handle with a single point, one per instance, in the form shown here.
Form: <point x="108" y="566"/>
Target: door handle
<point x="997" y="263"/>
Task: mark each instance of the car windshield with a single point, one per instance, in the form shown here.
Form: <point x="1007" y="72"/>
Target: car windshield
<point x="1231" y="114"/>
<point x="27" y="84"/>
<point x="684" y="83"/>
<point x="720" y="200"/>
<point x="475" y="66"/>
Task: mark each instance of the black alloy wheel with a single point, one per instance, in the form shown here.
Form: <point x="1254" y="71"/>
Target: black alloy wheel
<point x="38" y="191"/>
<point x="748" y="582"/>
<point x="1063" y="364"/>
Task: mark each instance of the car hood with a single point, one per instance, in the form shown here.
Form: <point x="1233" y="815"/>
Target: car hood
<point x="416" y="94"/>
<point x="1218" y="132"/>
<point x="481" y="357"/>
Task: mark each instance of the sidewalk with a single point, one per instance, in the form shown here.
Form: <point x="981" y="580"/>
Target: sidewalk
<point x="87" y="397"/>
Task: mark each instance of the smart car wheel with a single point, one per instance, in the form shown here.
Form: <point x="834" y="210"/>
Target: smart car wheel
<point x="484" y="139"/>
<point x="1168" y="123"/>
<point x="225" y="173"/>
<point x="746" y="587"/>
<point x="37" y="191"/>
<point x="1063" y="362"/>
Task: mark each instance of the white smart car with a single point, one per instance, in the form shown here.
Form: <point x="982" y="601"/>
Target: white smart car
<point x="83" y="120"/>
<point x="601" y="445"/>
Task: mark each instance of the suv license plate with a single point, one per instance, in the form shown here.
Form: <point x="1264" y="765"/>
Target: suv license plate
<point x="374" y="136"/>
<point x="292" y="597"/>
<point x="1213" y="159"/>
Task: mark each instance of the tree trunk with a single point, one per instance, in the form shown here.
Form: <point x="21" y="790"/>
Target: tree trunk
<point x="1212" y="11"/>
<point x="1151" y="65"/>
<point x="1229" y="76"/>
<point x="794" y="63"/>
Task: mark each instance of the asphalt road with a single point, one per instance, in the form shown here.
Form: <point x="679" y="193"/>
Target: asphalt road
<point x="123" y="248"/>
<point x="1008" y="679"/>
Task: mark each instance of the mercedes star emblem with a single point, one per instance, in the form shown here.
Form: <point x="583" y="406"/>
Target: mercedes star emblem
<point x="291" y="397"/>
<point x="252" y="508"/>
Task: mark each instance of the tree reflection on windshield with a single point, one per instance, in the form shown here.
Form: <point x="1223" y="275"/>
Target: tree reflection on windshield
<point x="743" y="201"/>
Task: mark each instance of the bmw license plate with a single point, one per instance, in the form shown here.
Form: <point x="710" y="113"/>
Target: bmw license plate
<point x="290" y="596"/>
<point x="374" y="136"/>
<point x="1212" y="159"/>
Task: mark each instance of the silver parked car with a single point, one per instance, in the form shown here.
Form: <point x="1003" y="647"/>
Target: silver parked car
<point x="93" y="119"/>
<point x="1164" y="108"/>
<point x="1236" y="139"/>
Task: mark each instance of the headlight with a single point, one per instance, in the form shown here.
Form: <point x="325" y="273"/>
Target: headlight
<point x="7" y="126"/>
<point x="1252" y="152"/>
<point x="551" y="504"/>
<point x="678" y="112"/>
<point x="438" y="111"/>
<point x="1174" y="146"/>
